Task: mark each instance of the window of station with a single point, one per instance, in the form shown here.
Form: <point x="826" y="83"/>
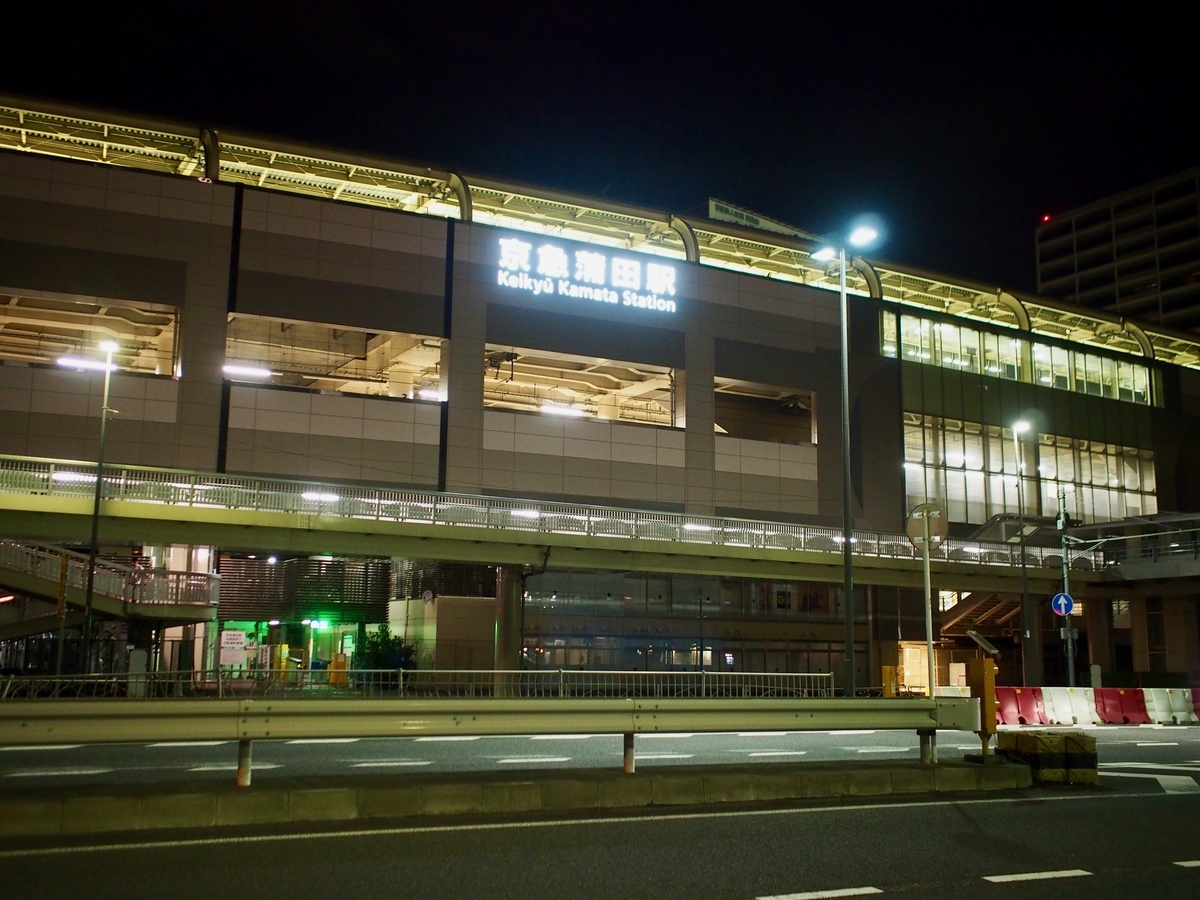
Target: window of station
<point x="550" y="383"/>
<point x="971" y="469"/>
<point x="40" y="327"/>
<point x="764" y="412"/>
<point x="951" y="346"/>
<point x="332" y="358"/>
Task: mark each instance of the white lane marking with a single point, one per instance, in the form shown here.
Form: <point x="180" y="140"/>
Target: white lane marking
<point x="545" y="823"/>
<point x="1171" y="784"/>
<point x="821" y="895"/>
<point x="190" y="743"/>
<point x="1153" y="743"/>
<point x="563" y="737"/>
<point x="392" y="763"/>
<point x="879" y="749"/>
<point x="853" y="730"/>
<point x="779" y="752"/>
<point x="663" y="756"/>
<point x="518" y="760"/>
<point x="332" y="740"/>
<point x="232" y="768"/>
<point x="755" y="734"/>
<point x="1036" y="876"/>
<point x="1189" y="863"/>
<point x="1156" y="767"/>
<point x="51" y="773"/>
<point x="457" y="737"/>
<point x="43" y="747"/>
<point x="667" y="735"/>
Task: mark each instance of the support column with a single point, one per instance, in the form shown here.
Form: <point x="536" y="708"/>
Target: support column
<point x="695" y="384"/>
<point x="508" y="618"/>
<point x="461" y="372"/>
<point x="630" y="760"/>
<point x="1098" y="615"/>
<point x="243" y="768"/>
<point x="1031" y="641"/>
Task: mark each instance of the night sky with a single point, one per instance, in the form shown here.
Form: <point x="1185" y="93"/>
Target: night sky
<point x="960" y="124"/>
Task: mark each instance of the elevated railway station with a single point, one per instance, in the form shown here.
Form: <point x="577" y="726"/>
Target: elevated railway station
<point x="527" y="429"/>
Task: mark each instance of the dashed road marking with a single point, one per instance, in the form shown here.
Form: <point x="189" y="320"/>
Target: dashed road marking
<point x="450" y="737"/>
<point x="188" y="743"/>
<point x="391" y="763"/>
<point x="822" y="895"/>
<point x="663" y="756"/>
<point x="560" y="737"/>
<point x="1189" y="863"/>
<point x="778" y="752"/>
<point x="325" y="741"/>
<point x="233" y="768"/>
<point x="1036" y="876"/>
<point x="53" y="773"/>
<point x="41" y="747"/>
<point x="519" y="760"/>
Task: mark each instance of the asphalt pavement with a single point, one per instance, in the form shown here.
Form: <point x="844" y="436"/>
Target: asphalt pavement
<point x="1146" y="758"/>
<point x="1066" y="844"/>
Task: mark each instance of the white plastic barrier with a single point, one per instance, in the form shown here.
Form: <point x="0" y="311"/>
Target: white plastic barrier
<point x="1158" y="705"/>
<point x="1180" y="700"/>
<point x="1057" y="703"/>
<point x="1083" y="706"/>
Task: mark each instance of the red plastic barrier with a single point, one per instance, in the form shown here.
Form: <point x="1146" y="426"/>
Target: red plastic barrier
<point x="1008" y="713"/>
<point x="1031" y="705"/>
<point x="1133" y="706"/>
<point x="1108" y="705"/>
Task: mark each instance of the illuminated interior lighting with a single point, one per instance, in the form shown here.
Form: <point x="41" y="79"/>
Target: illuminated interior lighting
<point x="92" y="365"/>
<point x="247" y="372"/>
<point x="109" y="346"/>
<point x="526" y="513"/>
<point x="271" y="560"/>
<point x="273" y="622"/>
<point x="73" y="477"/>
<point x="561" y="410"/>
<point x="8" y="598"/>
<point x="824" y="254"/>
<point x="696" y="526"/>
<point x="320" y="497"/>
<point x="428" y="394"/>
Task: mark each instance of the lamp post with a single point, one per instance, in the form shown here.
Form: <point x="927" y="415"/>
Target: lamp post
<point x="1029" y="642"/>
<point x="109" y="348"/>
<point x="861" y="236"/>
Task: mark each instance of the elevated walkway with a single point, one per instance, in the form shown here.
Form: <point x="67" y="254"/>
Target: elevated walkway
<point x="39" y="572"/>
<point x="47" y="499"/>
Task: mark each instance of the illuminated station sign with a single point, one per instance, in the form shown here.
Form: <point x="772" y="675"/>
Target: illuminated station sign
<point x="586" y="274"/>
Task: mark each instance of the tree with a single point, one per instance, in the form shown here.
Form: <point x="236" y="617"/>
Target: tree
<point x="380" y="649"/>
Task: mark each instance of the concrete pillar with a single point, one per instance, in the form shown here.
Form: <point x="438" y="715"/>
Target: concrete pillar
<point x="508" y="617"/>
<point x="461" y="374"/>
<point x="1031" y="641"/>
<point x="1137" y="628"/>
<point x="1098" y="615"/>
<point x="1183" y="641"/>
<point x="695" y="384"/>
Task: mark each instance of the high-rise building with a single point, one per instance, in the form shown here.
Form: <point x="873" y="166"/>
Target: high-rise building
<point x="1135" y="254"/>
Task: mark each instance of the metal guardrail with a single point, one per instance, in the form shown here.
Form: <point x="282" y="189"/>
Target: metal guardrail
<point x="335" y="684"/>
<point x="131" y="586"/>
<point x="173" y="487"/>
<point x="1179" y="551"/>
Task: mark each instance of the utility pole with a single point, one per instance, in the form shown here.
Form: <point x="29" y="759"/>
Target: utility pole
<point x="1068" y="632"/>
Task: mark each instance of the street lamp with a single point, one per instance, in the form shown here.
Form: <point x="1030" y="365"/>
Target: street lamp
<point x="109" y="348"/>
<point x="861" y="236"/>
<point x="1029" y="643"/>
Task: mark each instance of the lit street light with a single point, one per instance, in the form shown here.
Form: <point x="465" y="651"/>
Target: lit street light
<point x="1029" y="642"/>
<point x="861" y="236"/>
<point x="109" y="348"/>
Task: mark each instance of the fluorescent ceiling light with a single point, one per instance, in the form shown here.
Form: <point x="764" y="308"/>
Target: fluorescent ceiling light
<point x="427" y="394"/>
<point x="561" y="410"/>
<point x="78" y="362"/>
<point x="320" y="497"/>
<point x="527" y="513"/>
<point x="247" y="372"/>
<point x="109" y="346"/>
<point x="696" y="526"/>
<point x="73" y="477"/>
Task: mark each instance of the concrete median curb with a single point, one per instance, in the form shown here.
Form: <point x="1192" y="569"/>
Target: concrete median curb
<point x="272" y="802"/>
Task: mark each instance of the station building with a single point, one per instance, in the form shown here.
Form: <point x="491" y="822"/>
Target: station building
<point x="292" y="312"/>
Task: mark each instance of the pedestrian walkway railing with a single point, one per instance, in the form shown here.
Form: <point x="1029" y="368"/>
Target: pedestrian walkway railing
<point x="381" y="683"/>
<point x="133" y="586"/>
<point x="174" y="487"/>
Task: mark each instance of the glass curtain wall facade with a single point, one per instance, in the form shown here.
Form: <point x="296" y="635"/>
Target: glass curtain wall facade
<point x="971" y="469"/>
<point x="1011" y="357"/>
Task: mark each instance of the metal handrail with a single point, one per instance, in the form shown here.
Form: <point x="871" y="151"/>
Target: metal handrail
<point x="336" y="684"/>
<point x="143" y="484"/>
<point x="113" y="580"/>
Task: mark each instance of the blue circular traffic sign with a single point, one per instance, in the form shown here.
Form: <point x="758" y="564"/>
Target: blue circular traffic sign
<point x="1062" y="604"/>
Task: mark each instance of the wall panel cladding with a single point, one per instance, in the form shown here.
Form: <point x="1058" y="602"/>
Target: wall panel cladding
<point x="766" y="477"/>
<point x="78" y="228"/>
<point x="308" y="435"/>
<point x="548" y="455"/>
<point x="56" y="413"/>
<point x="341" y="264"/>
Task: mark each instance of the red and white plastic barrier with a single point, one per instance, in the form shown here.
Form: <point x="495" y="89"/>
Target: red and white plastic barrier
<point x="1097" y="706"/>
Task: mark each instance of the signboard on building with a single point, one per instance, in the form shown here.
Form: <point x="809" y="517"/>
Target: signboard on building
<point x="547" y="267"/>
<point x="727" y="212"/>
<point x="233" y="648"/>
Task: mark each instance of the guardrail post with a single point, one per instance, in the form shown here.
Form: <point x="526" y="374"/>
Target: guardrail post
<point x="243" y="769"/>
<point x="629" y="758"/>
<point x="560" y="682"/>
<point x="928" y="738"/>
